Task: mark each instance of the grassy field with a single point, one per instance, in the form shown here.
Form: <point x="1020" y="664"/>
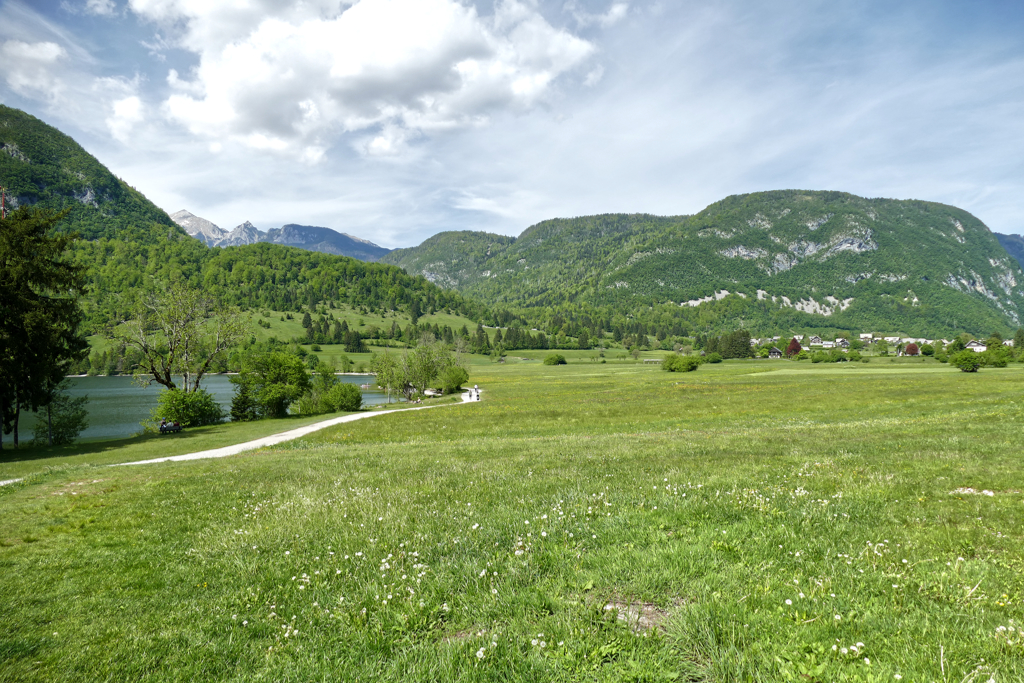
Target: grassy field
<point x="751" y="521"/>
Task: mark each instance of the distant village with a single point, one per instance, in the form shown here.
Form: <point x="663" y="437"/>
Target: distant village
<point x="904" y="346"/>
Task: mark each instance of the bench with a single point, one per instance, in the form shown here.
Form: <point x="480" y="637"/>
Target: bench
<point x="167" y="429"/>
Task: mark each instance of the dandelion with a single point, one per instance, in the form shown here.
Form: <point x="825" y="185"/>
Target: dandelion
<point x="839" y="617"/>
<point x="287" y="552"/>
<point x="245" y="623"/>
<point x="534" y="642"/>
<point x="897" y="677"/>
<point x="867" y="661"/>
<point x="789" y="602"/>
<point x="480" y="653"/>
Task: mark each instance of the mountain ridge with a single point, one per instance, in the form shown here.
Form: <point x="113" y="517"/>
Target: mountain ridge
<point x="308" y="237"/>
<point x="854" y="260"/>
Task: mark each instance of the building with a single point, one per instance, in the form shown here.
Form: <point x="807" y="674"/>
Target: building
<point x="774" y="353"/>
<point x="976" y="346"/>
<point x="814" y="341"/>
<point x="828" y="345"/>
<point x="867" y="336"/>
<point x="842" y="343"/>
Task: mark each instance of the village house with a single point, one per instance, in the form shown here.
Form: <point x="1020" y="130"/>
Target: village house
<point x="892" y="340"/>
<point x="774" y="353"/>
<point x="814" y="341"/>
<point x="976" y="346"/>
<point x="842" y="343"/>
<point x="828" y="345"/>
<point x="1008" y="342"/>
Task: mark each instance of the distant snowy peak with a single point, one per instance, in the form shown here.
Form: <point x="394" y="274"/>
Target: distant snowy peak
<point x="200" y="228"/>
<point x="308" y="237"/>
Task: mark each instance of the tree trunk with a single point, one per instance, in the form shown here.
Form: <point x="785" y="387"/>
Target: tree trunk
<point x="17" y="417"/>
<point x="49" y="424"/>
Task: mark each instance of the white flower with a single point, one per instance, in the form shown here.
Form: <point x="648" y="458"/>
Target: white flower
<point x="897" y="677"/>
<point x="867" y="661"/>
<point x="839" y="617"/>
<point x="789" y="602"/>
<point x="534" y="642"/>
<point x="245" y="623"/>
<point x="480" y="653"/>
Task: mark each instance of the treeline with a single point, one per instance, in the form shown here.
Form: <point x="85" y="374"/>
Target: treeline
<point x="253" y="276"/>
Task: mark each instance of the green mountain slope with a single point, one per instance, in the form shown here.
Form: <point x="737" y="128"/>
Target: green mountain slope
<point x="1014" y="245"/>
<point x="828" y="256"/>
<point x="41" y="166"/>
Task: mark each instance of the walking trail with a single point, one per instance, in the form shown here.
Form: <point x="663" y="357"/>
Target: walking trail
<point x="271" y="440"/>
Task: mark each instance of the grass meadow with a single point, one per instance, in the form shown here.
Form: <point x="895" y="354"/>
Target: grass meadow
<point x="750" y="521"/>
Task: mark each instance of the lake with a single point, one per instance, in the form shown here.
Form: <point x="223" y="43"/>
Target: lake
<point x="117" y="405"/>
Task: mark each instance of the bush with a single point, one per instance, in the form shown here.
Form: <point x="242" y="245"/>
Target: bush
<point x="713" y="358"/>
<point x="345" y="397"/>
<point x="994" y="358"/>
<point x="188" y="408"/>
<point x="452" y="379"/>
<point x="819" y="357"/>
<point x="967" y="361"/>
<point x="927" y="350"/>
<point x="853" y="356"/>
<point x="802" y="355"/>
<point x="679" y="363"/>
<point x="555" y="359"/>
<point x="941" y="357"/>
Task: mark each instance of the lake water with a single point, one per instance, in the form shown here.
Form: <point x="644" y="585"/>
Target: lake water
<point x="117" y="405"/>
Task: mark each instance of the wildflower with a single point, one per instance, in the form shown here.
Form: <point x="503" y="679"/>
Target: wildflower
<point x="789" y="602"/>
<point x="839" y="617"/>
<point x="897" y="677"/>
<point x="480" y="653"/>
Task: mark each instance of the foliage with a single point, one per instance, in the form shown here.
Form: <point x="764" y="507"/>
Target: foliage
<point x="39" y="312"/>
<point x="328" y="394"/>
<point x="680" y="363"/>
<point x="195" y="408"/>
<point x="425" y="364"/>
<point x="389" y="372"/>
<point x="911" y="349"/>
<point x="42" y="167"/>
<point x="555" y="359"/>
<point x="180" y="332"/>
<point x="452" y="378"/>
<point x="267" y="384"/>
<point x="65" y="417"/>
<point x="927" y="350"/>
<point x="967" y="361"/>
<point x="793" y="348"/>
<point x="713" y="358"/>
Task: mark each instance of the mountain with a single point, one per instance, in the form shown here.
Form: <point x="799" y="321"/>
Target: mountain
<point x="831" y="257"/>
<point x="43" y="167"/>
<point x="308" y="237"/>
<point x="1014" y="246"/>
<point x="200" y="228"/>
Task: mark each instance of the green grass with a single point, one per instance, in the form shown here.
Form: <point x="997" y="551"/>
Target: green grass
<point x="760" y="512"/>
<point x="29" y="460"/>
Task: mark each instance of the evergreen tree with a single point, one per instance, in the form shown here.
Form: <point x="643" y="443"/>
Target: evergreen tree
<point x="39" y="312"/>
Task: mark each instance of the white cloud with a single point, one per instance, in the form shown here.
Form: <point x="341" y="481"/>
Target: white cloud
<point x="290" y="76"/>
<point x="29" y="68"/>
<point x="102" y="7"/>
<point x="127" y="112"/>
<point x="616" y="13"/>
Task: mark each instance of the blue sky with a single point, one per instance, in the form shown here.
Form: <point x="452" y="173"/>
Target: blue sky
<point x="396" y="119"/>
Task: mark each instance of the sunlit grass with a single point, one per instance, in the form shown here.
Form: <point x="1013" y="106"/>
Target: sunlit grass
<point x="802" y="525"/>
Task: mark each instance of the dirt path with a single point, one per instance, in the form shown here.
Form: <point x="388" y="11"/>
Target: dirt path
<point x="271" y="440"/>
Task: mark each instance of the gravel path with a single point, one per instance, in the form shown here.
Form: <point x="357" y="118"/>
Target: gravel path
<point x="272" y="440"/>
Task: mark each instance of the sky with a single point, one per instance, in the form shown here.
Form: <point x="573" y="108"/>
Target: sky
<point x="393" y="120"/>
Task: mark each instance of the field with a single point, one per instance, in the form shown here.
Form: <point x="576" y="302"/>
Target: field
<point x="750" y="521"/>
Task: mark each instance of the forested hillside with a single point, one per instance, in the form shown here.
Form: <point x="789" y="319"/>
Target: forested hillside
<point x="768" y="260"/>
<point x="1014" y="245"/>
<point x="41" y="166"/>
<point x="257" y="275"/>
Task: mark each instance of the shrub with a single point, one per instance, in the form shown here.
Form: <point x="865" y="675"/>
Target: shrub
<point x="452" y="378"/>
<point x="802" y="355"/>
<point x="678" y="363"/>
<point x="555" y="359"/>
<point x="819" y="357"/>
<point x="188" y="408"/>
<point x="927" y="350"/>
<point x="967" y="361"/>
<point x="713" y="358"/>
<point x="344" y="396"/>
<point x="994" y="358"/>
<point x="942" y="357"/>
<point x="853" y="356"/>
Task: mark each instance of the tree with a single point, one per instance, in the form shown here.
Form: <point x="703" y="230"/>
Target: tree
<point x="911" y="349"/>
<point x="389" y="371"/>
<point x="66" y="417"/>
<point x="328" y="394"/>
<point x="1018" y="340"/>
<point x="583" y="341"/>
<point x="794" y="348"/>
<point x="267" y="384"/>
<point x="39" y="312"/>
<point x="555" y="359"/>
<point x="179" y="332"/>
